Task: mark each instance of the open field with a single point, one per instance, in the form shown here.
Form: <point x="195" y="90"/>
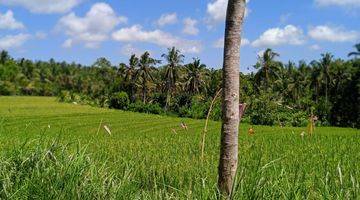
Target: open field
<point x="51" y="149"/>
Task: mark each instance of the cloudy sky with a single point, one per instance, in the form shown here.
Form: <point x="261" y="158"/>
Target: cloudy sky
<point x="83" y="30"/>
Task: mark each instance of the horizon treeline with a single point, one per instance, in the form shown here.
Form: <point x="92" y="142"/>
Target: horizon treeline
<point x="276" y="93"/>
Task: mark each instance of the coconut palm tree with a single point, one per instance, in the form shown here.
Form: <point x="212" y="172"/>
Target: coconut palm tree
<point x="213" y="82"/>
<point x="144" y="73"/>
<point x="324" y="65"/>
<point x="316" y="79"/>
<point x="355" y="53"/>
<point x="268" y="68"/>
<point x="230" y="119"/>
<point x="174" y="59"/>
<point x="288" y="83"/>
<point x="195" y="76"/>
<point x="130" y="75"/>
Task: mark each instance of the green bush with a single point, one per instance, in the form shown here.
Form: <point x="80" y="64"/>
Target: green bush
<point x="146" y="108"/>
<point x="299" y="119"/>
<point x="119" y="100"/>
<point x="266" y="109"/>
<point x="7" y="88"/>
<point x="197" y="110"/>
<point x="65" y="96"/>
<point x="216" y="112"/>
<point x="262" y="112"/>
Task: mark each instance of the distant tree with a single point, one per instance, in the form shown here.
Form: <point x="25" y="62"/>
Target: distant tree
<point x="102" y="63"/>
<point x="320" y="82"/>
<point x="268" y="68"/>
<point x="144" y="73"/>
<point x="230" y="121"/>
<point x="174" y="58"/>
<point x="4" y="56"/>
<point x="130" y="75"/>
<point x="213" y="82"/>
<point x="324" y="64"/>
<point x="355" y="53"/>
<point x="195" y="76"/>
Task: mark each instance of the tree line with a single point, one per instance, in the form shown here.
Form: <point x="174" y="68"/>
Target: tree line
<point x="276" y="93"/>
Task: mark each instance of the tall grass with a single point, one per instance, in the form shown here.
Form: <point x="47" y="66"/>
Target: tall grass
<point x="143" y="159"/>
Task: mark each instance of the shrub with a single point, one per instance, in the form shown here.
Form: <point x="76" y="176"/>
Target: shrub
<point x="153" y="108"/>
<point x="119" y="100"/>
<point x="262" y="112"/>
<point x="65" y="96"/>
<point x="197" y="109"/>
<point x="7" y="88"/>
<point x="216" y="112"/>
<point x="300" y="119"/>
<point x="145" y="108"/>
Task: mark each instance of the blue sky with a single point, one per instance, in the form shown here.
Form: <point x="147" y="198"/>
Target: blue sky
<point x="83" y="30"/>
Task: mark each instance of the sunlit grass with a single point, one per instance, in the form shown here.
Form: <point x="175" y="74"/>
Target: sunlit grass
<point x="54" y="150"/>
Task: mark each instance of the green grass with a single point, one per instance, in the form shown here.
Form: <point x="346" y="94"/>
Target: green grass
<point x="54" y="150"/>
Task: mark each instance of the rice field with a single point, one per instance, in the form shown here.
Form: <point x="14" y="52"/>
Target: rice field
<point x="51" y="150"/>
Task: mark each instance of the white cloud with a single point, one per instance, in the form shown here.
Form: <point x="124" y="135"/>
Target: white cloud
<point x="44" y="6"/>
<point x="7" y="21"/>
<point x="333" y="34"/>
<point x="137" y="34"/>
<point x="344" y="3"/>
<point x="40" y="35"/>
<point x="68" y="43"/>
<point x="93" y="28"/>
<point x="190" y="26"/>
<point x="216" y="11"/>
<point x="220" y="43"/>
<point x="245" y="42"/>
<point x="285" y="18"/>
<point x="290" y="35"/>
<point x="129" y="49"/>
<point x="13" y="41"/>
<point x="167" y="19"/>
<point x="315" y="47"/>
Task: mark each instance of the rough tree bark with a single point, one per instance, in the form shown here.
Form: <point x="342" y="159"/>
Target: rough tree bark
<point x="230" y="125"/>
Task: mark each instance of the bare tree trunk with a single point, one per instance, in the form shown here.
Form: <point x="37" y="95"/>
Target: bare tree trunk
<point x="230" y="126"/>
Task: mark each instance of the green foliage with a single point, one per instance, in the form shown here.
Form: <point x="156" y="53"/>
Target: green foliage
<point x="331" y="86"/>
<point x="119" y="100"/>
<point x="299" y="119"/>
<point x="145" y="108"/>
<point x="65" y="96"/>
<point x="197" y="109"/>
<point x="7" y="88"/>
<point x="265" y="110"/>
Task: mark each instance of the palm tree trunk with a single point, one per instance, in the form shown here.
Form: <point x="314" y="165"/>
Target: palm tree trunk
<point x="132" y="91"/>
<point x="230" y="125"/>
<point x="168" y="95"/>
<point x="266" y="77"/>
<point x="326" y="91"/>
<point x="144" y="95"/>
<point x="144" y="92"/>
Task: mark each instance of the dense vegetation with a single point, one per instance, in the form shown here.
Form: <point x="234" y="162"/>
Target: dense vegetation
<point x="58" y="150"/>
<point x="277" y="93"/>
